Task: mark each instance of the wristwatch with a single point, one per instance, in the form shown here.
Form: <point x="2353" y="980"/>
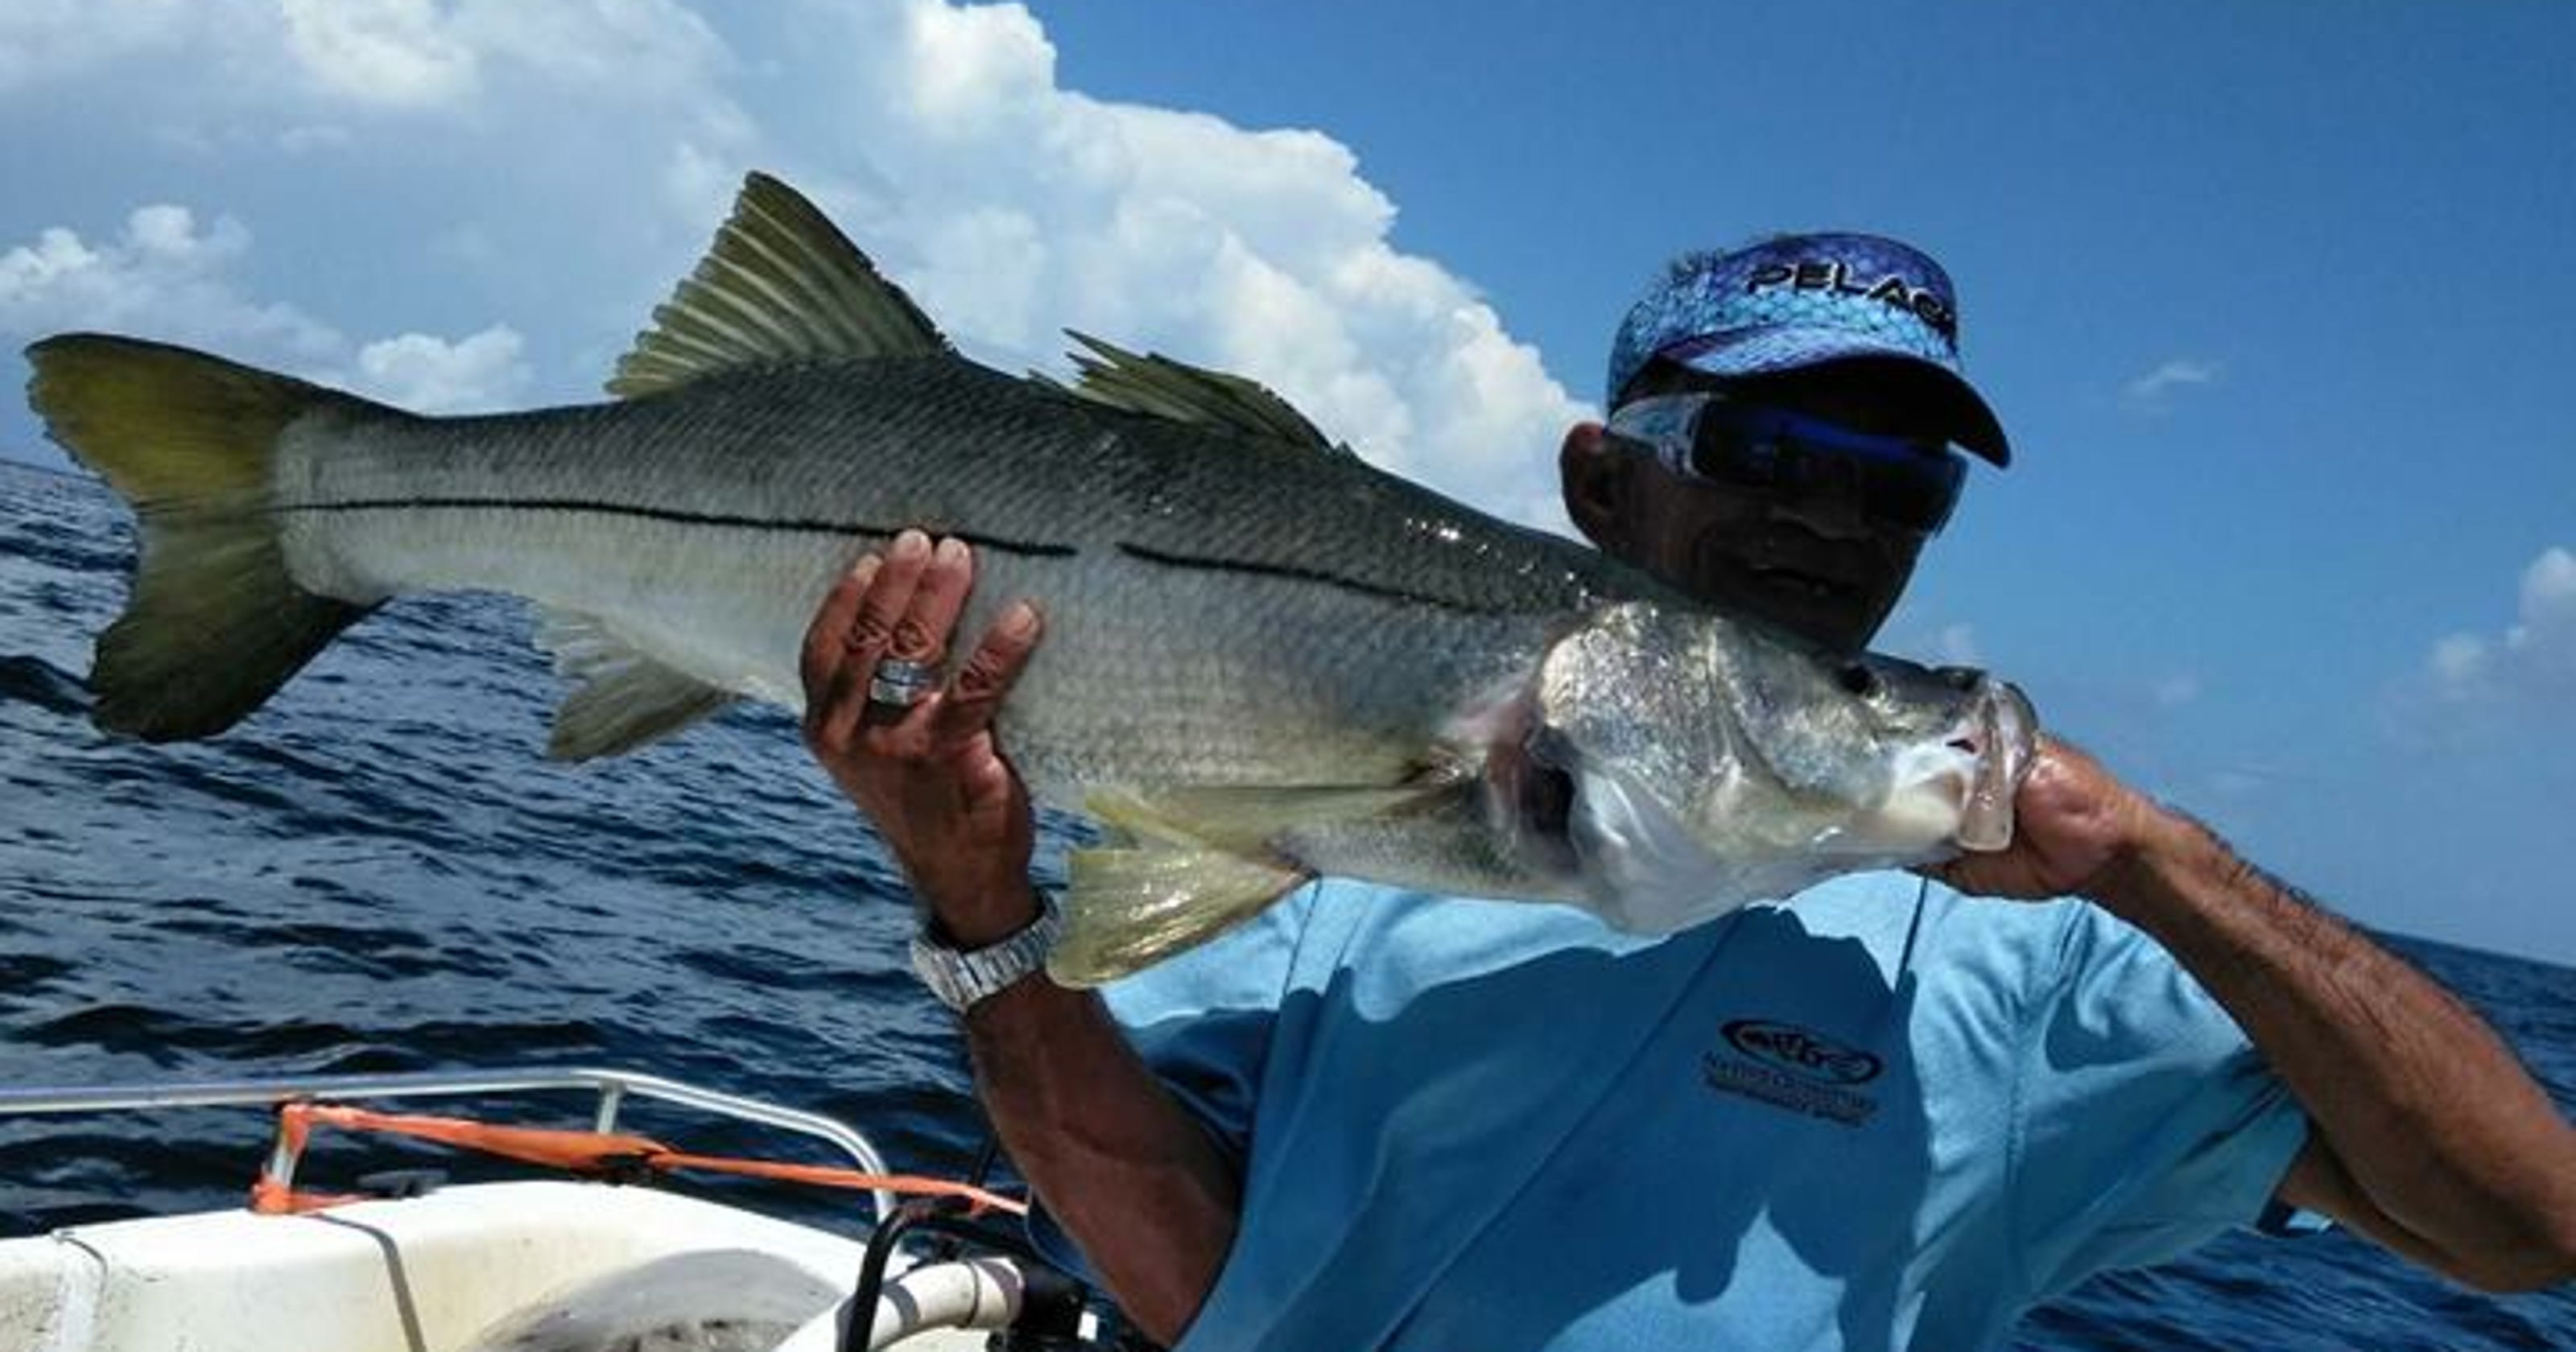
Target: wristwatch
<point x="960" y="979"/>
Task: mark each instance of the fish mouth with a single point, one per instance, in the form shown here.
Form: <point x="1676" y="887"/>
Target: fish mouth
<point x="2000" y="737"/>
<point x="1955" y="794"/>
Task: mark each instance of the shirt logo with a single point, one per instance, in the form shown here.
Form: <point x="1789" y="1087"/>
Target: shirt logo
<point x="1801" y="1052"/>
<point x="1791" y="1067"/>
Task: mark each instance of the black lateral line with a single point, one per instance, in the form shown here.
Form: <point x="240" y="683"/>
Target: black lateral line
<point x="1296" y="573"/>
<point x="784" y="526"/>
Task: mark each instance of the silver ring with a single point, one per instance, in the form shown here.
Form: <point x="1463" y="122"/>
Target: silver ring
<point x="899" y="684"/>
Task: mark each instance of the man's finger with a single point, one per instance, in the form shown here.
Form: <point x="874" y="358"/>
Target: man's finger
<point x="833" y="674"/>
<point x="823" y="652"/>
<point x="921" y="635"/>
<point x="863" y="642"/>
<point x="883" y="605"/>
<point x="987" y="676"/>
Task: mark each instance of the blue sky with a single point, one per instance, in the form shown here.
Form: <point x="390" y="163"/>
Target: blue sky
<point x="2278" y="301"/>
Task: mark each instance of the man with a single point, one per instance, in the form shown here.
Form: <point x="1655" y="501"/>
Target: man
<point x="1886" y="1114"/>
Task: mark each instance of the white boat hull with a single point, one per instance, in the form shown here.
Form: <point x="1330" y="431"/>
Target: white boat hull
<point x="469" y="1268"/>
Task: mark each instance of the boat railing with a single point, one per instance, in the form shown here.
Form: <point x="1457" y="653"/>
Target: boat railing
<point x="613" y="1088"/>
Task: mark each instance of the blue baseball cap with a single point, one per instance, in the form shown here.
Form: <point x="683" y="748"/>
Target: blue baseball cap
<point x="1795" y="301"/>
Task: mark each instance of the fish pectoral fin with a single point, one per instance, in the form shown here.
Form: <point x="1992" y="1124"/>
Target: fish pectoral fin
<point x="1126" y="910"/>
<point x="1137" y="815"/>
<point x="1249" y="819"/>
<point x="780" y="284"/>
<point x="624" y="699"/>
<point x="1157" y="385"/>
<point x="1204" y="859"/>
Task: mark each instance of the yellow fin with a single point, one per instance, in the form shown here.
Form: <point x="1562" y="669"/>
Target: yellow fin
<point x="1156" y="384"/>
<point x="780" y="284"/>
<point x="215" y="623"/>
<point x="625" y="699"/>
<point x="1126" y="910"/>
<point x="613" y="714"/>
<point x="1252" y="819"/>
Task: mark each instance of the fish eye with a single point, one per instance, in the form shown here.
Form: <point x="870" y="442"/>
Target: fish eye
<point x="1857" y="679"/>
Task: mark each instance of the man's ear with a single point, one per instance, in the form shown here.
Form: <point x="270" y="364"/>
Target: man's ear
<point x="1593" y="476"/>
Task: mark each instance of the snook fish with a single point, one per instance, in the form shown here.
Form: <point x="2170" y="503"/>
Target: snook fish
<point x="1265" y="660"/>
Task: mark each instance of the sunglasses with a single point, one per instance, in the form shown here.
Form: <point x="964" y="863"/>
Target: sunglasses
<point x="1906" y="484"/>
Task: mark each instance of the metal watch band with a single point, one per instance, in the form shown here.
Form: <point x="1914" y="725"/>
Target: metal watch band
<point x="961" y="979"/>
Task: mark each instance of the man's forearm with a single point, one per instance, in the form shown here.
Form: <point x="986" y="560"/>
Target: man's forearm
<point x="1129" y="1172"/>
<point x="2423" y="1108"/>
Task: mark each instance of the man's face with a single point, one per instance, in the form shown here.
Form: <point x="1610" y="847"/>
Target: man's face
<point x="1811" y="561"/>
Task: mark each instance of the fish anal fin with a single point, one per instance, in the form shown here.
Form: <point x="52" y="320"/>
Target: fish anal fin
<point x="1126" y="910"/>
<point x="780" y="284"/>
<point x="1154" y="384"/>
<point x="625" y="699"/>
<point x="614" y="714"/>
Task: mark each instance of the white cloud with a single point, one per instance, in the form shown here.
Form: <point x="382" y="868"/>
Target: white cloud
<point x="387" y="55"/>
<point x="2533" y="660"/>
<point x="2151" y="390"/>
<point x="431" y="54"/>
<point x="56" y="40"/>
<point x="314" y="138"/>
<point x="1956" y="646"/>
<point x="398" y="52"/>
<point x="638" y="51"/>
<point x="2459" y="666"/>
<point x="959" y="64"/>
<point x="167" y="276"/>
<point x="163" y="275"/>
<point x="431" y="375"/>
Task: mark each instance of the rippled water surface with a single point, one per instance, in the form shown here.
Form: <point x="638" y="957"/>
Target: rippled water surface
<point x="379" y="872"/>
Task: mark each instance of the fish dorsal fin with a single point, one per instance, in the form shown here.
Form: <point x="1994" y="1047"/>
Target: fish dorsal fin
<point x="780" y="284"/>
<point x="625" y="699"/>
<point x="1156" y="384"/>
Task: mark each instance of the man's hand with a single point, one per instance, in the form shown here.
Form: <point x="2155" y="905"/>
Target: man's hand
<point x="931" y="777"/>
<point x="2074" y="828"/>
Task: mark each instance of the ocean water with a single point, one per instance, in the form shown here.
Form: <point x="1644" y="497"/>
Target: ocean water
<point x="380" y="873"/>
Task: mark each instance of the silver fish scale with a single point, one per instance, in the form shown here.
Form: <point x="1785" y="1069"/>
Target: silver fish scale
<point x="1221" y="609"/>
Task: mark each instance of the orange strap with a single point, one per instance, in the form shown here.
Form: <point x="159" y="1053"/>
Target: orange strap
<point x="583" y="1152"/>
<point x="268" y="1197"/>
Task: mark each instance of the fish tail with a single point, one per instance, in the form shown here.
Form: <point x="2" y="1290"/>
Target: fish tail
<point x="215" y="622"/>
